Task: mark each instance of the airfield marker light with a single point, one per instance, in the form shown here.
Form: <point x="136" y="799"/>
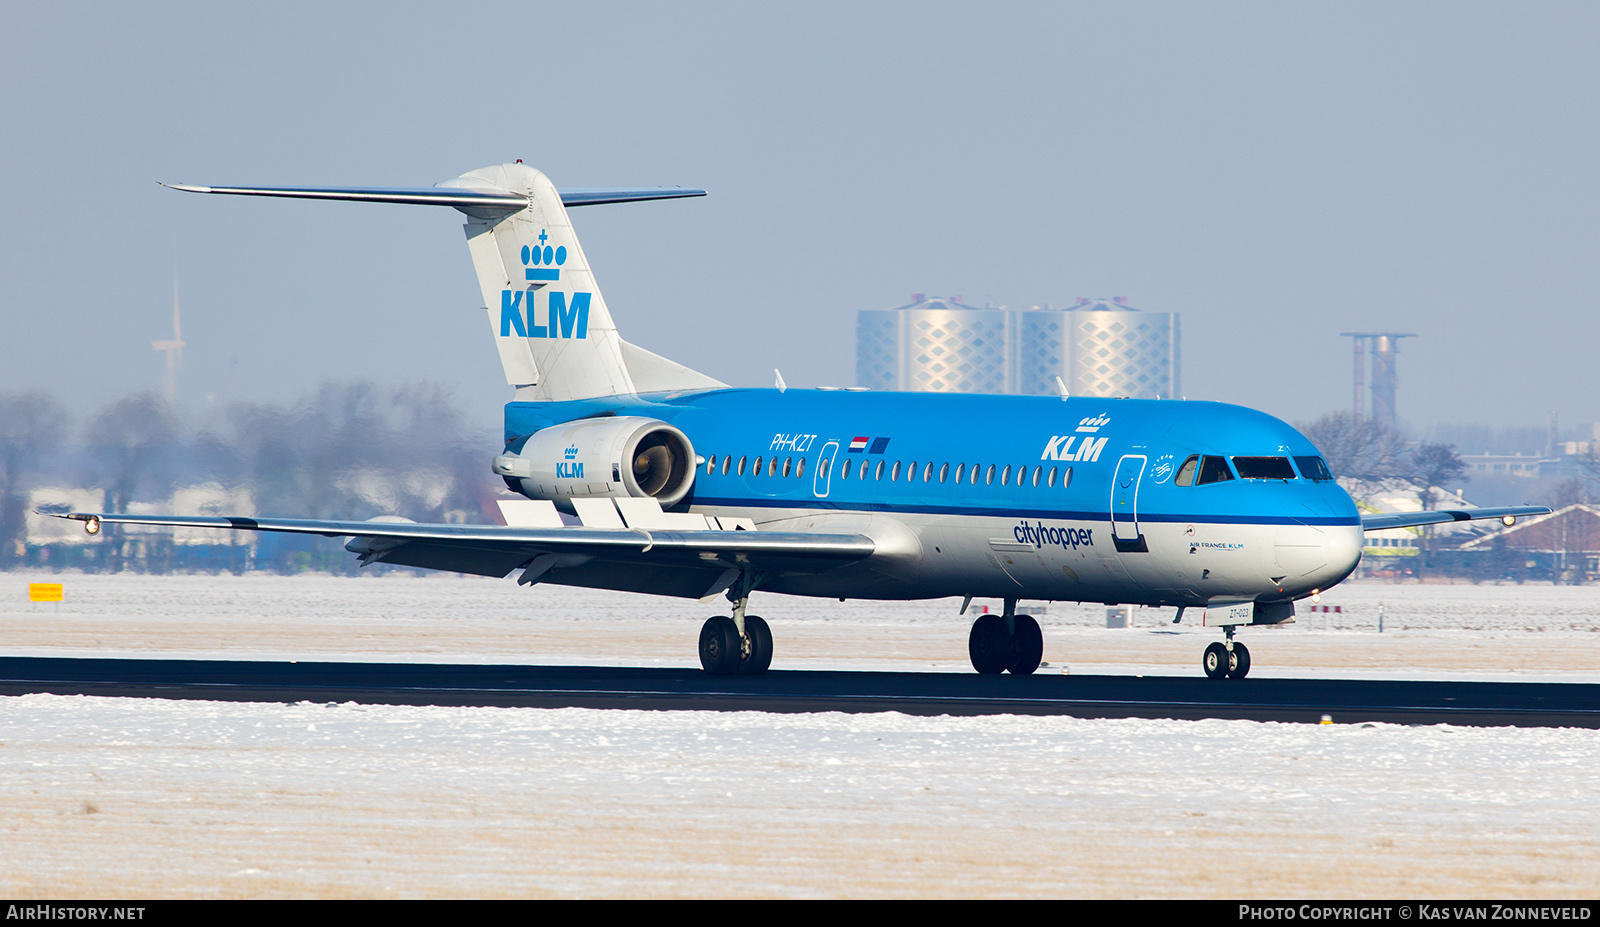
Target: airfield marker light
<point x="1327" y="719"/>
<point x="1316" y="595"/>
<point x="91" y="525"/>
<point x="1508" y="520"/>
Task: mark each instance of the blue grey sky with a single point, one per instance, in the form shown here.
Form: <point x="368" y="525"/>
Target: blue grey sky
<point x="1276" y="172"/>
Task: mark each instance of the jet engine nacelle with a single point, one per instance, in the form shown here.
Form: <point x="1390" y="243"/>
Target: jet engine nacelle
<point x="615" y="456"/>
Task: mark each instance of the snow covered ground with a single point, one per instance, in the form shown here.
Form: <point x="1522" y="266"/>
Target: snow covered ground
<point x="147" y="798"/>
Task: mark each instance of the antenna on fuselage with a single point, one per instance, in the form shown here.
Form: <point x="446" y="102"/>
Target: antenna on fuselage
<point x="1061" y="387"/>
<point x="782" y="386"/>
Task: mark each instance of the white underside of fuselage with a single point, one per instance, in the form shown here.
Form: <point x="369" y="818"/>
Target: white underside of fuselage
<point x="932" y="556"/>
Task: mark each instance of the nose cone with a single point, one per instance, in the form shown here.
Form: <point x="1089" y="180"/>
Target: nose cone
<point x="1316" y="557"/>
<point x="1342" y="545"/>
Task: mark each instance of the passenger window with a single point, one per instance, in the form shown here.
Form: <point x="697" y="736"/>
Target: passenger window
<point x="878" y="473"/>
<point x="1263" y="468"/>
<point x="961" y="471"/>
<point x="944" y="471"/>
<point x="756" y="469"/>
<point x="975" y="469"/>
<point x="988" y="477"/>
<point x="727" y="462"/>
<point x="1185" y="475"/>
<point x="1005" y="476"/>
<point x="772" y="467"/>
<point x="927" y="473"/>
<point x="711" y="465"/>
<point x="800" y="468"/>
<point x="894" y="475"/>
<point x="1037" y="471"/>
<point x="787" y="461"/>
<point x="1066" y="478"/>
<point x="1051" y="479"/>
<point x="1214" y="470"/>
<point x="741" y="465"/>
<point x="1314" y="468"/>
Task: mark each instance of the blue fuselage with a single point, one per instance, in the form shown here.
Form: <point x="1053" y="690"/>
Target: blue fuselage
<point x="1010" y="496"/>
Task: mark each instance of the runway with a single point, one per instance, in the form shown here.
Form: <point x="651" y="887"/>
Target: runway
<point x="1082" y="696"/>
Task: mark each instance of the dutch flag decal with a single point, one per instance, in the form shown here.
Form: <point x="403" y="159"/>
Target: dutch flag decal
<point x="859" y="445"/>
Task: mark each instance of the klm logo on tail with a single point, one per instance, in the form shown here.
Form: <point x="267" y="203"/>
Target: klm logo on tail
<point x="535" y="255"/>
<point x="542" y="265"/>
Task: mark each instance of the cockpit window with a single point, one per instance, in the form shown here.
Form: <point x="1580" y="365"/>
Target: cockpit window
<point x="1185" y="475"/>
<point x="1313" y="468"/>
<point x="1214" y="470"/>
<point x="1264" y="468"/>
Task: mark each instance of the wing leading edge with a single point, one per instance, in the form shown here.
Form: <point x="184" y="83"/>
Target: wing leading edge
<point x="1508" y="514"/>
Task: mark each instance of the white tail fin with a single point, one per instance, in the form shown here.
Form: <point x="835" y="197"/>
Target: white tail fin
<point x="554" y="334"/>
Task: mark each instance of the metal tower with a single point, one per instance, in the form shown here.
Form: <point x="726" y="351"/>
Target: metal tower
<point x="1382" y="346"/>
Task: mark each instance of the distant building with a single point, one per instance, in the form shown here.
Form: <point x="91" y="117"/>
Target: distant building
<point x="1493" y="465"/>
<point x="1099" y="347"/>
<point x="1563" y="545"/>
<point x="935" y="345"/>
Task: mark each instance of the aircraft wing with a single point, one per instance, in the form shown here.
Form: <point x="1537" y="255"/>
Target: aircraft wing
<point x="686" y="563"/>
<point x="1507" y="514"/>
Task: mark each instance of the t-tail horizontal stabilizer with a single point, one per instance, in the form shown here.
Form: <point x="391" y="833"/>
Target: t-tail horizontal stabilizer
<point x="456" y="197"/>
<point x="551" y="326"/>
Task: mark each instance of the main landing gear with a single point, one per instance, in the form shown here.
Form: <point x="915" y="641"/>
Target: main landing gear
<point x="1229" y="660"/>
<point x="741" y="644"/>
<point x="1005" y="642"/>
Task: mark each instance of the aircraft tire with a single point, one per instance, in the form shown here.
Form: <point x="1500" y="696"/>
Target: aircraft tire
<point x="720" y="646"/>
<point x="1029" y="646"/>
<point x="759" y="656"/>
<point x="990" y="646"/>
<point x="1215" y="660"/>
<point x="1238" y="662"/>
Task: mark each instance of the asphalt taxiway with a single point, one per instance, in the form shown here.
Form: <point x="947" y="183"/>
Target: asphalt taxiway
<point x="1087" y="696"/>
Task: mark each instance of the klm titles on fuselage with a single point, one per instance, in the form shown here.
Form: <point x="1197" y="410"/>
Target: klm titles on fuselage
<point x="1060" y="447"/>
<point x="563" y="319"/>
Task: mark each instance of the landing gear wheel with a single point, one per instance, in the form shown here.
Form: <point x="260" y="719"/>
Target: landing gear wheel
<point x="1029" y="646"/>
<point x="990" y="645"/>
<point x="720" y="646"/>
<point x="1215" y="660"/>
<point x="1238" y="662"/>
<point x="756" y="652"/>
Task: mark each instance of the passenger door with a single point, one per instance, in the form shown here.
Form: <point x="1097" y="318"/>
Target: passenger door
<point x="1125" y="504"/>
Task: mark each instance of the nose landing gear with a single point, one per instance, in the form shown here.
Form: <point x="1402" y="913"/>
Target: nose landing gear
<point x="1229" y="660"/>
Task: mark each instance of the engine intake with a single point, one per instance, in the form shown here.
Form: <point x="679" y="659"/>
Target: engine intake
<point x="619" y="456"/>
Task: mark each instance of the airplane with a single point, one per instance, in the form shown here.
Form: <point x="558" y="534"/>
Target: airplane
<point x="637" y="473"/>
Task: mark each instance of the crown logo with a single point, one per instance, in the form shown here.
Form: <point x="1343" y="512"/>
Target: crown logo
<point x="538" y="259"/>
<point x="1094" y="423"/>
<point x="572" y="452"/>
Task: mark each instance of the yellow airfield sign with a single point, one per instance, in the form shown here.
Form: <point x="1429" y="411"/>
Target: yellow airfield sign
<point x="44" y="592"/>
